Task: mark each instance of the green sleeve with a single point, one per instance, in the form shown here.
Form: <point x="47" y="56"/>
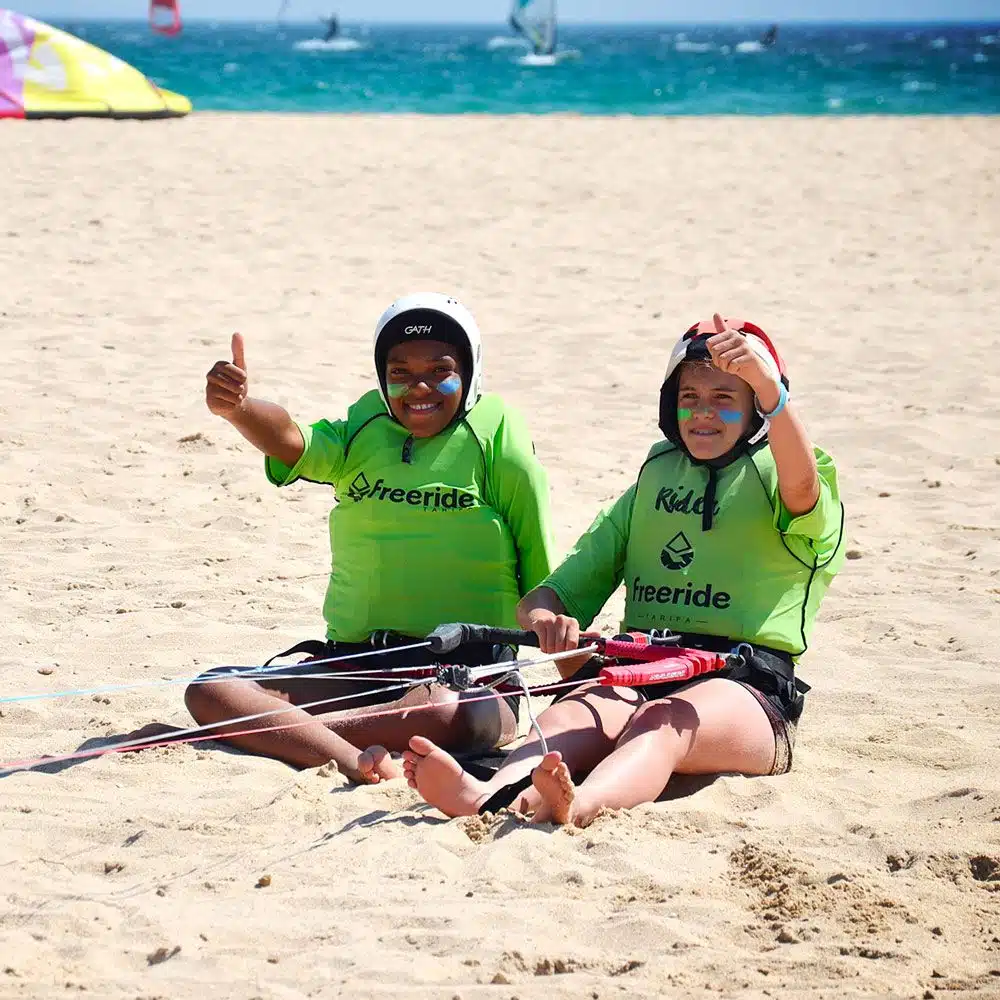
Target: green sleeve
<point x="823" y="526"/>
<point x="321" y="460"/>
<point x="592" y="571"/>
<point x="520" y="489"/>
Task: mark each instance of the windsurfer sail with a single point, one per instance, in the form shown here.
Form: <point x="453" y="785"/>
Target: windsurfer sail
<point x="165" y="17"/>
<point x="535" y="20"/>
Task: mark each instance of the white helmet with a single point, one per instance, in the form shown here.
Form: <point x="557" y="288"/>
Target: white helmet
<point x="432" y="316"/>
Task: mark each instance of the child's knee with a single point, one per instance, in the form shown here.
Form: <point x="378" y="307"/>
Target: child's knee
<point x="479" y="717"/>
<point x="200" y="699"/>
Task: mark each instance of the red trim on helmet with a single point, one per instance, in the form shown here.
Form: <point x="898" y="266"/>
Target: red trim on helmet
<point x="746" y="327"/>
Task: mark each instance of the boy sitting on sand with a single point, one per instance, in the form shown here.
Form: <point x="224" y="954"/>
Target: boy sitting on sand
<point x="442" y="516"/>
<point x="731" y="534"/>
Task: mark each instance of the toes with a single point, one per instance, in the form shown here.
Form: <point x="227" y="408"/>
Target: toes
<point x="421" y="746"/>
<point x="551" y="761"/>
<point x="366" y="768"/>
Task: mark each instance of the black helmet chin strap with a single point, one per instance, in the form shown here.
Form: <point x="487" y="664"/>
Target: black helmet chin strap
<point x="708" y="500"/>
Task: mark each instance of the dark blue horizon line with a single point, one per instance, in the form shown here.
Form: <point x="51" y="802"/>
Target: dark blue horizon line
<point x="943" y="22"/>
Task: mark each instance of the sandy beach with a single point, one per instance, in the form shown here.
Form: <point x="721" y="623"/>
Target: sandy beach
<point x="140" y="542"/>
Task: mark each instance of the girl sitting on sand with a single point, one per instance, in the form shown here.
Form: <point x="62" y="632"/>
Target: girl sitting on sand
<point x="442" y="516"/>
<point x="731" y="534"/>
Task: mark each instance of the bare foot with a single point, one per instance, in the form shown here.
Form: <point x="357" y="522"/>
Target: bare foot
<point x="440" y="779"/>
<point x="553" y="783"/>
<point x="375" y="765"/>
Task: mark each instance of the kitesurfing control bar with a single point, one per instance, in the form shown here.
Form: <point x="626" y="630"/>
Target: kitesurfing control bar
<point x="447" y="638"/>
<point x="672" y="662"/>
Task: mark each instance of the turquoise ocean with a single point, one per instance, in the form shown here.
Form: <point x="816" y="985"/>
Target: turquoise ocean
<point x="639" y="70"/>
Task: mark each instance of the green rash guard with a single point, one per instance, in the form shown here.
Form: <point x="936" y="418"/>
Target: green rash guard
<point x="457" y="533"/>
<point x="757" y="575"/>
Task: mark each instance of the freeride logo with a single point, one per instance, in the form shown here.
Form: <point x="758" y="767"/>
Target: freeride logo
<point x="359" y="488"/>
<point x="673" y="502"/>
<point x="687" y="596"/>
<point x="430" y="499"/>
<point x="678" y="552"/>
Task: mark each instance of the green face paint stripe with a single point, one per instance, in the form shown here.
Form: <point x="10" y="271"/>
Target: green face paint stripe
<point x="683" y="413"/>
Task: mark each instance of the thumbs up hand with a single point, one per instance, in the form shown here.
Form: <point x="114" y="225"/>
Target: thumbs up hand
<point x="226" y="384"/>
<point x="731" y="353"/>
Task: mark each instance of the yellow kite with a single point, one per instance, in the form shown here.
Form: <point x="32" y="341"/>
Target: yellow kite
<point x="48" y="73"/>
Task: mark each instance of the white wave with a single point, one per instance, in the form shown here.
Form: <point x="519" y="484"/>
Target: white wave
<point x="853" y="50"/>
<point x="979" y="57"/>
<point x="333" y="45"/>
<point x="683" y="45"/>
<point x="988" y="39"/>
<point x="916" y="86"/>
<point x="550" y="59"/>
<point x="749" y="46"/>
<point x="939" y="43"/>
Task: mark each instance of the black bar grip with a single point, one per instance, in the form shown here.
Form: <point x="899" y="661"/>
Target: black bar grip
<point x="447" y="638"/>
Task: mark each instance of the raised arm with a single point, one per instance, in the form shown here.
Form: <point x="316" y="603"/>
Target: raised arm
<point x="267" y="426"/>
<point x="794" y="457"/>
